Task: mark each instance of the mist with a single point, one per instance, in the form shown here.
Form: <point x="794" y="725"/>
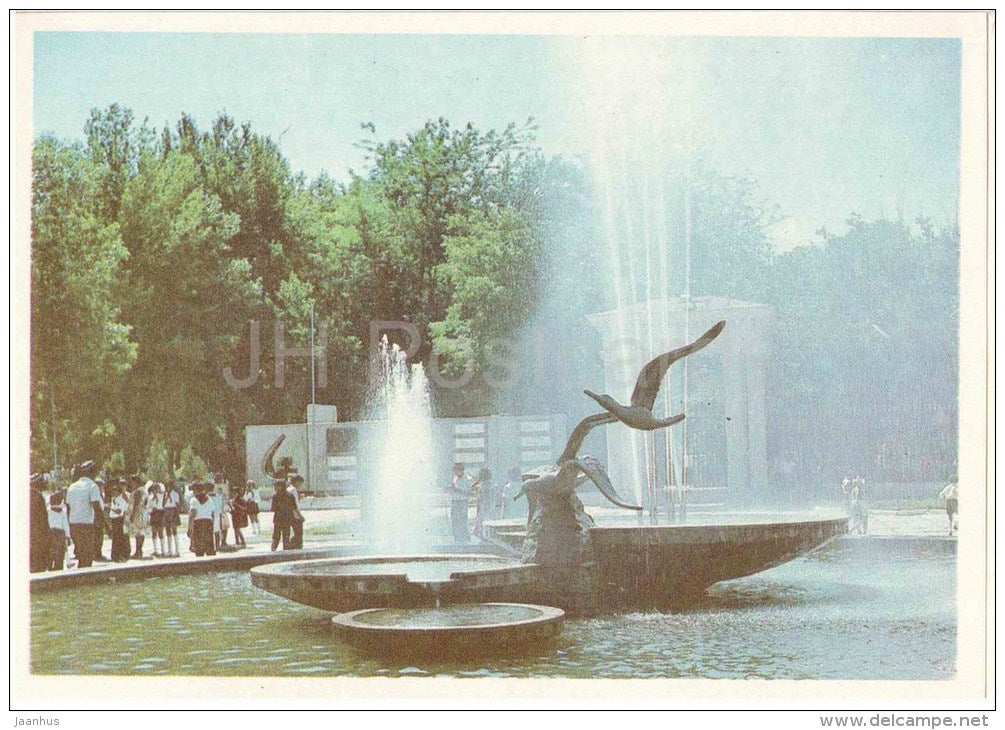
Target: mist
<point x="856" y="366"/>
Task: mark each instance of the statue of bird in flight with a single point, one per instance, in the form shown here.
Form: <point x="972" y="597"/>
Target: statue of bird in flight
<point x="639" y="414"/>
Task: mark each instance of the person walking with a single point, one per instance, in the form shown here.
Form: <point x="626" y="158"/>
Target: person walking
<point x="950" y="497"/>
<point x="38" y="546"/>
<point x="201" y="520"/>
<point x="283" y="507"/>
<point x="459" y="493"/>
<point x="59" y="531"/>
<point x="83" y="501"/>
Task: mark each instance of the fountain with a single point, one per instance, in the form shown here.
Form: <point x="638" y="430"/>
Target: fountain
<point x="402" y="599"/>
<point x="641" y="168"/>
<point x="399" y="520"/>
<point x="566" y="559"/>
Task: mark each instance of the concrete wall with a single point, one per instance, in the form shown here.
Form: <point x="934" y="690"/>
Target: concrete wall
<point x="343" y="455"/>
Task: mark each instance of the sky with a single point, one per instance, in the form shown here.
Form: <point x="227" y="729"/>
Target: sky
<point x="824" y="127"/>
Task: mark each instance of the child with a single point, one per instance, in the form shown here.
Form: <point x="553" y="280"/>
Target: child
<point x="201" y="521"/>
<point x="252" y="499"/>
<point x="222" y="498"/>
<point x="59" y="530"/>
<point x="118" y="510"/>
<point x="171" y="521"/>
<point x="137" y="522"/>
<point x="239" y="517"/>
<point x="155" y="505"/>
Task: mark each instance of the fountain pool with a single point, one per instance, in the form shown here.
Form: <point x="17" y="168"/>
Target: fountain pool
<point x="851" y="610"/>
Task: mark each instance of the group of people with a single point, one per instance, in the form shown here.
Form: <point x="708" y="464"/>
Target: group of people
<point x="492" y="501"/>
<point x="214" y="510"/>
<point x="92" y="509"/>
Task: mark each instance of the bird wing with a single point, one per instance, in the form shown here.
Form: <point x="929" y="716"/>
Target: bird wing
<point x="651" y="377"/>
<point x="580" y="431"/>
<point x="598" y="475"/>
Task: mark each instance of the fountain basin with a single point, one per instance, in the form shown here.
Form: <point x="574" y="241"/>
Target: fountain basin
<point x="395" y="581"/>
<point x="637" y="566"/>
<point x="676" y="562"/>
<point x="465" y="629"/>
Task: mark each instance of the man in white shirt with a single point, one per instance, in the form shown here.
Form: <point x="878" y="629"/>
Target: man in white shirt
<point x="83" y="499"/>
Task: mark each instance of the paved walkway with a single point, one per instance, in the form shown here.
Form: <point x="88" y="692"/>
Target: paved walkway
<point x="908" y="523"/>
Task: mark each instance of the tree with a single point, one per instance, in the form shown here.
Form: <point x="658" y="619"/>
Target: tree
<point x="435" y="175"/>
<point x="490" y="269"/>
<point x="189" y="300"/>
<point x="79" y="337"/>
<point x="157" y="465"/>
<point x="191" y="466"/>
<point x="866" y="343"/>
<point x="115" y="147"/>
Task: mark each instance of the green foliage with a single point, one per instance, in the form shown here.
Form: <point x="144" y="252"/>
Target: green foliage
<point x="866" y="344"/>
<point x="187" y="296"/>
<point x="115" y="464"/>
<point x="156" y="465"/>
<point x="191" y="466"/>
<point x="730" y="249"/>
<point x="80" y="339"/>
<point x="435" y="176"/>
<point x="490" y="268"/>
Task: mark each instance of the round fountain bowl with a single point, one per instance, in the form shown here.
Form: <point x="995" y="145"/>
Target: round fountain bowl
<point x="396" y="581"/>
<point x="462" y="629"/>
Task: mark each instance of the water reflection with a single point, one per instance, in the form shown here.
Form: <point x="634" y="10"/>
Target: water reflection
<point x="859" y="609"/>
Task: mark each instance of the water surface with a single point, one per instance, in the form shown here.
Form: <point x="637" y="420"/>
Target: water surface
<point x="858" y="609"/>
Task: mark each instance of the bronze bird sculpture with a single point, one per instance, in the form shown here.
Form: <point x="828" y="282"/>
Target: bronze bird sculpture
<point x="639" y="414"/>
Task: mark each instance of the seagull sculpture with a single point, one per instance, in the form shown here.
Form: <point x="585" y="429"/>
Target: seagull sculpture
<point x="640" y="413"/>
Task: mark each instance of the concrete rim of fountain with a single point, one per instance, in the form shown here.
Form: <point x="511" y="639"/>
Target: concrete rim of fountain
<point x="396" y="581"/>
<point x="471" y="628"/>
